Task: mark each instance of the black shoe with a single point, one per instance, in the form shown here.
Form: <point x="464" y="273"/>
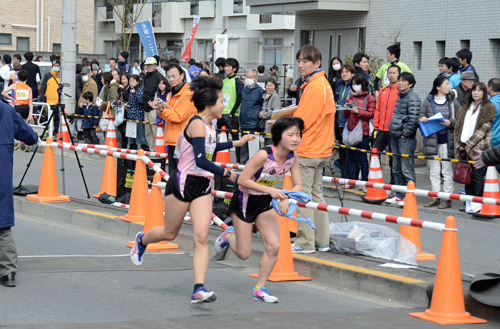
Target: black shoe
<point x="461" y="208"/>
<point x="8" y="280"/>
<point x="79" y="136"/>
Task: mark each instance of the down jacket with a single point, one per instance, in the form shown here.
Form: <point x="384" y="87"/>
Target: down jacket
<point x="364" y="114"/>
<point x="251" y="105"/>
<point x="405" y="117"/>
<point x="430" y="143"/>
<point x="491" y="157"/>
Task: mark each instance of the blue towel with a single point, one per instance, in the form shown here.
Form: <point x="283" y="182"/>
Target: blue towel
<point x="299" y="197"/>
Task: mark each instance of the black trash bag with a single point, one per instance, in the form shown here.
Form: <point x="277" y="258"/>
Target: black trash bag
<point x="24" y="190"/>
<point x="106" y="198"/>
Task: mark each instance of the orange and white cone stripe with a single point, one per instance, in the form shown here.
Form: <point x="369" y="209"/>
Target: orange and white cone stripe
<point x="490" y="191"/>
<point x="160" y="142"/>
<point x="373" y="195"/>
<point x="223" y="156"/>
<point x="111" y="133"/>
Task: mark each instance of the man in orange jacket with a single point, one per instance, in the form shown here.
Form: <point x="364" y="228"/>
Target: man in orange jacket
<point x="317" y="109"/>
<point x="383" y="113"/>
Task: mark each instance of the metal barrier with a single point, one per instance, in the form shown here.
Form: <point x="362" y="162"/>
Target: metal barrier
<point x="37" y="117"/>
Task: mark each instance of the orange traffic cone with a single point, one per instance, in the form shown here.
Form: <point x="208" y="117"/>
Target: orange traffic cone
<point x="287" y="185"/>
<point x="154" y="217"/>
<point x="490" y="191"/>
<point x="283" y="269"/>
<point x="409" y="232"/>
<point x="108" y="184"/>
<point x="139" y="198"/>
<point x="111" y="133"/>
<point x="160" y="142"/>
<point x="48" y="191"/>
<point x="447" y="305"/>
<point x="223" y="156"/>
<point x="375" y="195"/>
<point x="65" y="132"/>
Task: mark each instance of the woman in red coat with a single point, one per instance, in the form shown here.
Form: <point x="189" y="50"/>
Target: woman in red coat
<point x="364" y="113"/>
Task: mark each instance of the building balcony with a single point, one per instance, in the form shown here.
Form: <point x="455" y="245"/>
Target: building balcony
<point x="105" y="14"/>
<point x="267" y="22"/>
<point x="234" y="8"/>
<point x="202" y="8"/>
<point x="289" y="6"/>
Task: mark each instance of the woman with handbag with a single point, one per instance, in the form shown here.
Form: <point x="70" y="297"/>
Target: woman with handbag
<point x="358" y="118"/>
<point x="442" y="143"/>
<point x="473" y="130"/>
<point x="271" y="101"/>
<point x="136" y="112"/>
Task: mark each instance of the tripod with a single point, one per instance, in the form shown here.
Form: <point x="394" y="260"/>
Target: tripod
<point x="60" y="107"/>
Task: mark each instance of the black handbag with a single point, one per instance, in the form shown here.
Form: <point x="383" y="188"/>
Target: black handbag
<point x="261" y="126"/>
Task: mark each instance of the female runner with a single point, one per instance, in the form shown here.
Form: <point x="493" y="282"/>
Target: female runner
<point x="251" y="201"/>
<point x="188" y="188"/>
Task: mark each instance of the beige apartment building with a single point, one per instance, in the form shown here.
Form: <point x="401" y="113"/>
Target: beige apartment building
<point x="35" y="25"/>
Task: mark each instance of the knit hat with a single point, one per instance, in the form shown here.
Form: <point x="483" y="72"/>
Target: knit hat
<point x="95" y="67"/>
<point x="124" y="54"/>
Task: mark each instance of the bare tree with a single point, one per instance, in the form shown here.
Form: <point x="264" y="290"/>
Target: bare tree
<point x="127" y="13"/>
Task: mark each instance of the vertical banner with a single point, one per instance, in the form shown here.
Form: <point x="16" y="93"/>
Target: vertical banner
<point x="221" y="42"/>
<point x="145" y="30"/>
<point x="187" y="53"/>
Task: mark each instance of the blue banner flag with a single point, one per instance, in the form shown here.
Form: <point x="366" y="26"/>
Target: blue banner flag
<point x="145" y="30"/>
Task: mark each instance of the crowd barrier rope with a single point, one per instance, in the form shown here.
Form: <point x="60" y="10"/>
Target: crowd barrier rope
<point x="70" y="115"/>
<point x="120" y="150"/>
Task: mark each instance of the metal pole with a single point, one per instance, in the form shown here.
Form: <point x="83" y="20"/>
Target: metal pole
<point x="68" y="53"/>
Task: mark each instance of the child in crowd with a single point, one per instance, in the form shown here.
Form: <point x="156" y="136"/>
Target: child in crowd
<point x="91" y="120"/>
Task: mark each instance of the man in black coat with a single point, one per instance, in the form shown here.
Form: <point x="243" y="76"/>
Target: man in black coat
<point x="151" y="81"/>
<point x="34" y="74"/>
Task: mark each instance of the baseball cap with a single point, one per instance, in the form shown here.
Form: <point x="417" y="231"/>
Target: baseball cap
<point x="150" y="60"/>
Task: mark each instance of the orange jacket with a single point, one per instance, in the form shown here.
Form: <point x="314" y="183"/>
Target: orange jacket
<point x="384" y="109"/>
<point x="177" y="119"/>
<point x="317" y="109"/>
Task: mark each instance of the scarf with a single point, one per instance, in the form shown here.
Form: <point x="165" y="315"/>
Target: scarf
<point x="306" y="79"/>
<point x="470" y="121"/>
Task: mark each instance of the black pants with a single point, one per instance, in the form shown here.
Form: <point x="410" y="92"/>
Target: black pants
<point x="172" y="162"/>
<point x="382" y="140"/>
<point x="342" y="151"/>
<point x="476" y="185"/>
<point x="90" y="136"/>
<point x="231" y="123"/>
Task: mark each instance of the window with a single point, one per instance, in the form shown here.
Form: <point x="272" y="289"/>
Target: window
<point x="195" y="8"/>
<point x="305" y="38"/>
<point x="265" y="18"/>
<point x="23" y="44"/>
<point x="273" y="42"/>
<point x="109" y="11"/>
<point x="156" y="21"/>
<point x="361" y="40"/>
<point x="5" y="39"/>
<point x="77" y="49"/>
<point x="440" y="50"/>
<point x="465" y="44"/>
<point x="494" y="59"/>
<point x="56" y="48"/>
<point x="237" y="6"/>
<point x="417" y="54"/>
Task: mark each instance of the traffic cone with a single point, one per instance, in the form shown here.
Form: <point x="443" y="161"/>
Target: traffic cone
<point x="447" y="305"/>
<point x="160" y="142"/>
<point x="287" y="185"/>
<point x="490" y="191"/>
<point x="108" y="183"/>
<point x="375" y="195"/>
<point x="65" y="132"/>
<point x="111" y="133"/>
<point x="223" y="156"/>
<point x="48" y="191"/>
<point x="140" y="195"/>
<point x="154" y="217"/>
<point x="283" y="269"/>
<point x="412" y="233"/>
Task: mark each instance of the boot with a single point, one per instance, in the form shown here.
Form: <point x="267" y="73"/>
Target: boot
<point x="79" y="136"/>
<point x="433" y="203"/>
<point x="445" y="204"/>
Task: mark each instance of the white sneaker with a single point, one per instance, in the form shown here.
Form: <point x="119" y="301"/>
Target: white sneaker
<point x="401" y="203"/>
<point x="392" y="200"/>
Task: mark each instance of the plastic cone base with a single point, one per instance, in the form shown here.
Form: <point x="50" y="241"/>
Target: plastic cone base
<point x="447" y="318"/>
<point x="422" y="256"/>
<point x="284" y="277"/>
<point x="47" y="199"/>
<point x="479" y="215"/>
<point x="377" y="201"/>
<point x="158" y="246"/>
<point x="133" y="219"/>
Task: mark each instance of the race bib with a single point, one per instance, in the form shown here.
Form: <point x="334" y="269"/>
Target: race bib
<point x="269" y="180"/>
<point x="386" y="79"/>
<point x="226" y="100"/>
<point x="22" y="94"/>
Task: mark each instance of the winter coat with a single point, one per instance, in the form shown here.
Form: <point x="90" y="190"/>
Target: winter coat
<point x="364" y="114"/>
<point x="405" y="117"/>
<point x="491" y="157"/>
<point x="108" y="94"/>
<point x="91" y="110"/>
<point x="251" y="105"/>
<point x="297" y="93"/>
<point x="150" y="82"/>
<point x="90" y="86"/>
<point x="481" y="139"/>
<point x="386" y="102"/>
<point x="136" y="109"/>
<point x="460" y="94"/>
<point x="342" y="89"/>
<point x="268" y="105"/>
<point x="48" y="89"/>
<point x="495" y="127"/>
<point x="12" y="126"/>
<point x="430" y="146"/>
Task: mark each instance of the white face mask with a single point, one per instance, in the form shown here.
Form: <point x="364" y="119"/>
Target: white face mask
<point x="356" y="88"/>
<point x="56" y="69"/>
<point x="249" y="82"/>
<point x="85" y="78"/>
<point x="336" y="67"/>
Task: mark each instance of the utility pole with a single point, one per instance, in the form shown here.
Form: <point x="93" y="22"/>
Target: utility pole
<point x="68" y="54"/>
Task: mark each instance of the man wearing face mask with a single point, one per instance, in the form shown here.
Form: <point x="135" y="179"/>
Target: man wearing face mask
<point x="251" y="105"/>
<point x="88" y="85"/>
<point x="48" y="91"/>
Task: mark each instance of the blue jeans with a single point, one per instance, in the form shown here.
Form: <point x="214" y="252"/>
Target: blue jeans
<point x="355" y="158"/>
<point x="403" y="168"/>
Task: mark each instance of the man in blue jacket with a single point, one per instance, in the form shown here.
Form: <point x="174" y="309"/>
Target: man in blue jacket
<point x="251" y="105"/>
<point x="494" y="92"/>
<point x="12" y="126"/>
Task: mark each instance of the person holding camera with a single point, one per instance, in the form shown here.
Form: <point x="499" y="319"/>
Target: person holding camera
<point x="49" y="92"/>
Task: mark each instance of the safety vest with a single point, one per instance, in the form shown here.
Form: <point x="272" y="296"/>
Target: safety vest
<point x="229" y="93"/>
<point x="22" y="93"/>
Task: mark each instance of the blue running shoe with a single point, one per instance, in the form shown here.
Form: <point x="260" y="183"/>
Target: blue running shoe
<point x="462" y="191"/>
<point x="264" y="295"/>
<point x="202" y="295"/>
<point x="137" y="251"/>
<point x="221" y="242"/>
